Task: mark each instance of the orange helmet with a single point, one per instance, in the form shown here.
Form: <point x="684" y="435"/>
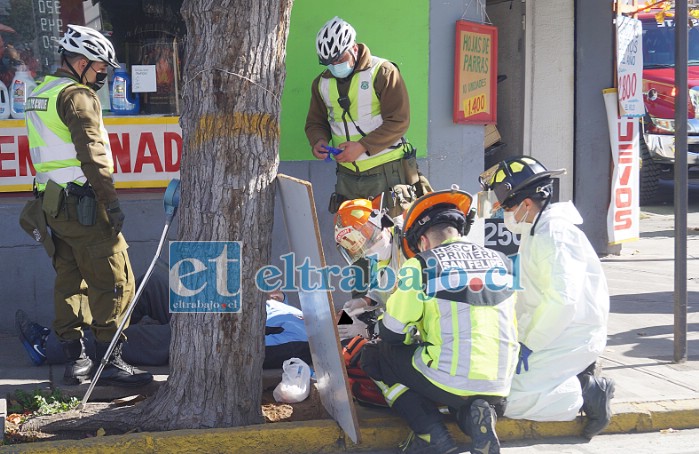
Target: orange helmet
<point x="358" y="226"/>
<point x="450" y="206"/>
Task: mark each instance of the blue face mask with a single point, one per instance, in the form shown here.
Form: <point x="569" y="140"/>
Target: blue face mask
<point x="341" y="70"/>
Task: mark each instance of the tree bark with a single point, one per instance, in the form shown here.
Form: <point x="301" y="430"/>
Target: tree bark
<point x="233" y="80"/>
<point x="95" y="416"/>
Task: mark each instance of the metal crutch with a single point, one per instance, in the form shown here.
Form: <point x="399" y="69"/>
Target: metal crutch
<point x="171" y="201"/>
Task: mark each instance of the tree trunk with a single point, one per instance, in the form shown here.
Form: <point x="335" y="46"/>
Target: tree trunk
<point x="94" y="416"/>
<point x="232" y="89"/>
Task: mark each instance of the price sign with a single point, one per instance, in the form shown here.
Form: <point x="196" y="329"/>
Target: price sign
<point x="629" y="65"/>
<point x="476" y="105"/>
<point x="497" y="237"/>
<point x="475" y="73"/>
<point x="49" y="26"/>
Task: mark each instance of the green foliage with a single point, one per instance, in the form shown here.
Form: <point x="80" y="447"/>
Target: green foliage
<point x="41" y="402"/>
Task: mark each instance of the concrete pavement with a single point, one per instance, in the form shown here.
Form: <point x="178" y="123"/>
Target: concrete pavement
<point x="652" y="392"/>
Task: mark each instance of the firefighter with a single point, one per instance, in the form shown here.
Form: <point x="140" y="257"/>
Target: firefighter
<point x="70" y="151"/>
<point x="448" y="335"/>
<point x="364" y="231"/>
<point x="563" y="308"/>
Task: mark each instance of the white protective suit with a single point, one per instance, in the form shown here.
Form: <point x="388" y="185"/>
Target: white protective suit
<point x="562" y="316"/>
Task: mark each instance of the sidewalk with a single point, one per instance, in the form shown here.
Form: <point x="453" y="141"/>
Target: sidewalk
<point x="652" y="392"/>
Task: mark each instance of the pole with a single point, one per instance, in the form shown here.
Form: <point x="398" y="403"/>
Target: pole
<point x="681" y="181"/>
<point x="171" y="201"/>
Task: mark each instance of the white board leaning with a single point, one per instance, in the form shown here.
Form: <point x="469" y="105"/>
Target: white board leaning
<point x="303" y="232"/>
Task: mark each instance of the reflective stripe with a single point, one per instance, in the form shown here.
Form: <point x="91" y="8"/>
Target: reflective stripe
<point x="365" y="162"/>
<point x="50" y="143"/>
<point x="393" y="323"/>
<point x="392" y="393"/>
<point x="365" y="109"/>
<point x="455" y="340"/>
<point x="59" y="152"/>
<point x="485" y="333"/>
<point x="61" y="176"/>
<point x="469" y="336"/>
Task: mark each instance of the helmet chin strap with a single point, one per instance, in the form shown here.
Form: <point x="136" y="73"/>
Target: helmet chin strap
<point x="75" y="73"/>
<point x="538" y="215"/>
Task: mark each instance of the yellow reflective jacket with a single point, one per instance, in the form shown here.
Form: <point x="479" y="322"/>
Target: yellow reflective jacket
<point x="458" y="297"/>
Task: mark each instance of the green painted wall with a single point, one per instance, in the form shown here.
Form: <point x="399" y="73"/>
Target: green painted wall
<point x="397" y="30"/>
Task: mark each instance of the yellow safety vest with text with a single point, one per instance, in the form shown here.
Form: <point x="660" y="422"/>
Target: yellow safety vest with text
<point x="365" y="110"/>
<point x="465" y="315"/>
<point x="50" y="143"/>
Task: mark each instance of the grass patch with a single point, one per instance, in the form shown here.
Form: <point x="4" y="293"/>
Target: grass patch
<point x="40" y="403"/>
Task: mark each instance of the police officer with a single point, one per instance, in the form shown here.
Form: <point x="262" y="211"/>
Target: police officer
<point x="360" y="105"/>
<point x="70" y="151"/>
<point x="448" y="335"/>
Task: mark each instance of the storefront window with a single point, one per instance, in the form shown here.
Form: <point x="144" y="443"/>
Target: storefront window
<point x="148" y="36"/>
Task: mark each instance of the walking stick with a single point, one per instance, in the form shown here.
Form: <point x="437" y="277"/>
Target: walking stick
<point x="171" y="200"/>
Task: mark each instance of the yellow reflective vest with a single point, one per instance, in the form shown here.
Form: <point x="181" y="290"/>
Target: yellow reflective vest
<point x="50" y="144"/>
<point x="364" y="109"/>
<point x="459" y="298"/>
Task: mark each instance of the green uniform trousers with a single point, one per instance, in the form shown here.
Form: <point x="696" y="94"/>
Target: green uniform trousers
<point x="371" y="183"/>
<point x="91" y="264"/>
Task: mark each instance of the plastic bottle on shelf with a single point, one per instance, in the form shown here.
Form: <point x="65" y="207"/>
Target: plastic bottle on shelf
<point x="104" y="94"/>
<point x="4" y="102"/>
<point x="124" y="102"/>
<point x="22" y="85"/>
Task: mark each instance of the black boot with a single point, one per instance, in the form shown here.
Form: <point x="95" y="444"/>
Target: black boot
<point x="478" y="422"/>
<point x="117" y="372"/>
<point x="437" y="441"/>
<point x="79" y="364"/>
<point x="597" y="395"/>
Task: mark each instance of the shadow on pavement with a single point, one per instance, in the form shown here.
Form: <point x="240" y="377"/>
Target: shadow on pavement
<point x="652" y="342"/>
<point x="647" y="303"/>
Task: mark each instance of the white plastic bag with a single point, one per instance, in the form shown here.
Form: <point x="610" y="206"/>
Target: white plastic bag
<point x="296" y="382"/>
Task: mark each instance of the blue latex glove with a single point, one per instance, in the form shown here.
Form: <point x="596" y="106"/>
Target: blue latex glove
<point x="331" y="151"/>
<point x="524" y="353"/>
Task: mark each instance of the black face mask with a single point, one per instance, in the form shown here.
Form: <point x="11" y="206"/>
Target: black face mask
<point x="99" y="82"/>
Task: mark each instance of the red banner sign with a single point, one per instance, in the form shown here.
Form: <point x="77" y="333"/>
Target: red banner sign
<point x="147" y="152"/>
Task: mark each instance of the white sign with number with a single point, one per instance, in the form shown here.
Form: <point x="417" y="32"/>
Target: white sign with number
<point x="629" y="66"/>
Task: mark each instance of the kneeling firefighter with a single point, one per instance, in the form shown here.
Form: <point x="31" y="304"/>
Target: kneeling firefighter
<point x="445" y="337"/>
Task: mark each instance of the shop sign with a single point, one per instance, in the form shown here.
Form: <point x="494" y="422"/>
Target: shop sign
<point x="475" y="73"/>
<point x="623" y="214"/>
<point x="147" y="153"/>
<point x="629" y="66"/>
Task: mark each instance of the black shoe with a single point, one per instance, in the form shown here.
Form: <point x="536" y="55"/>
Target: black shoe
<point x="484" y="440"/>
<point x="416" y="445"/>
<point x="597" y="396"/>
<point x="119" y="373"/>
<point x="79" y="366"/>
<point x="32" y="336"/>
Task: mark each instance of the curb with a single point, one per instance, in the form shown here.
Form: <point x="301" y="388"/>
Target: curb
<point x="3" y="415"/>
<point x="378" y="432"/>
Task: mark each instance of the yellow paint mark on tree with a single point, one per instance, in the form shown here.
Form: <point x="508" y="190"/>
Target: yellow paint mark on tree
<point x="216" y="126"/>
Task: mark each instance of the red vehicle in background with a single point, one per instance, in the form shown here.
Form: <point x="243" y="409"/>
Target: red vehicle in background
<point x="658" y="124"/>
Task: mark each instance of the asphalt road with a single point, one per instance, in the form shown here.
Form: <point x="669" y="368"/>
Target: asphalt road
<point x="665" y="195"/>
<point x="664" y="442"/>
